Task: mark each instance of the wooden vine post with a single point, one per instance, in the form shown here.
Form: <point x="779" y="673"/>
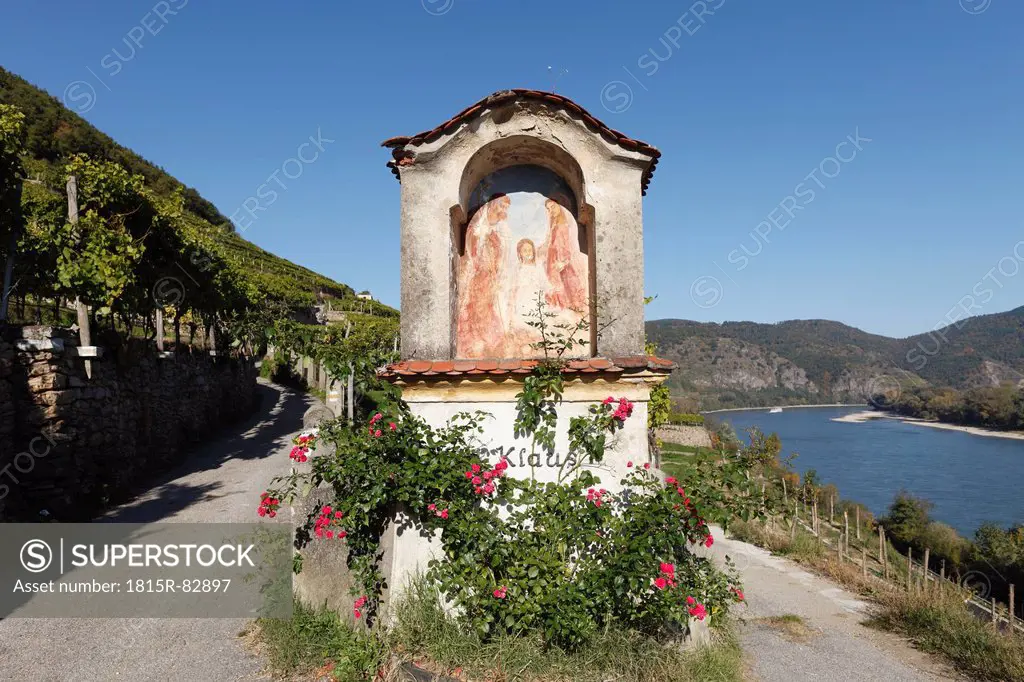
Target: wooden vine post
<point x="81" y="309"/>
<point x="924" y="571"/>
<point x="1013" y="611"/>
<point x="864" y="559"/>
<point x="910" y="570"/>
<point x="857" y="512"/>
<point x="159" y="327"/>
<point x="351" y="383"/>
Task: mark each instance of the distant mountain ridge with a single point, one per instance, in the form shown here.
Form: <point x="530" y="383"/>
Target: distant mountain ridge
<point x="740" y="364"/>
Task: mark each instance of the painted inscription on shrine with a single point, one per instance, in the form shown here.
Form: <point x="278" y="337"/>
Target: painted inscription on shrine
<point x="522" y="240"/>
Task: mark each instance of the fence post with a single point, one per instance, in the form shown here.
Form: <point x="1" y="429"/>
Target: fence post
<point x="924" y="573"/>
<point x="785" y="493"/>
<point x="864" y="559"/>
<point x="881" y="552"/>
<point x="831" y="508"/>
<point x="1013" y="611"/>
<point x="846" y="530"/>
<point x="995" y="623"/>
<point x="857" y="510"/>
<point x="910" y="570"/>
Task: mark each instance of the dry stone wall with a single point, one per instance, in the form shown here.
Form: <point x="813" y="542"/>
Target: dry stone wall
<point x="71" y="443"/>
<point x="693" y="436"/>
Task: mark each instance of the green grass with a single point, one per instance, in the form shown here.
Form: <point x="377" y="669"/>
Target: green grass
<point x="423" y="630"/>
<point x="317" y="643"/>
<point x="680" y="460"/>
<point x="317" y="639"/>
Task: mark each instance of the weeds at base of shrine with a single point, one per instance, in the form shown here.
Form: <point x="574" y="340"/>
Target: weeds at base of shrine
<point x="318" y="644"/>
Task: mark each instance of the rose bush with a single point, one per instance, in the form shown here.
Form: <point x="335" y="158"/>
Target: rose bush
<point x="562" y="559"/>
<point x="522" y="556"/>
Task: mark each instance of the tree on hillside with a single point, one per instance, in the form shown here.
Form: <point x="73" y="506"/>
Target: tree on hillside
<point x="12" y="175"/>
<point x="907" y="519"/>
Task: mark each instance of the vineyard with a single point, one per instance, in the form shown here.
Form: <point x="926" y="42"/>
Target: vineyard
<point x="88" y="226"/>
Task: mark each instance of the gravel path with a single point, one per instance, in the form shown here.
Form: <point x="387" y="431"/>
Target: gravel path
<point x="827" y="641"/>
<point x="219" y="482"/>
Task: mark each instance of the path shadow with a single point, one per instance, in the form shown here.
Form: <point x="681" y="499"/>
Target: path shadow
<point x="262" y="435"/>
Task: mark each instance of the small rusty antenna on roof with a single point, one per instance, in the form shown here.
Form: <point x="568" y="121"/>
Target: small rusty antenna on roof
<point x="555" y="76"/>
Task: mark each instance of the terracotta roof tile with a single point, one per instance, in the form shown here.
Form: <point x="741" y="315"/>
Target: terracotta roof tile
<point x="502" y="367"/>
<point x="397" y="144"/>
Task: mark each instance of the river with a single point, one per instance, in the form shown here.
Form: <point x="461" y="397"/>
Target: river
<point x="970" y="479"/>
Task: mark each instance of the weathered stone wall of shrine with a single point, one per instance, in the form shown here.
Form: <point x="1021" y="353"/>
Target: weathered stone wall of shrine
<point x="436" y="189"/>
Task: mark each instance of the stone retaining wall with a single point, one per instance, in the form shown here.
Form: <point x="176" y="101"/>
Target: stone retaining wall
<point x="71" y="443"/>
<point x="693" y="436"/>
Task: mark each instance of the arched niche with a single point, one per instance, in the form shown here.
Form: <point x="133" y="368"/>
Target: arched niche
<point x="520" y="150"/>
<point x="523" y="244"/>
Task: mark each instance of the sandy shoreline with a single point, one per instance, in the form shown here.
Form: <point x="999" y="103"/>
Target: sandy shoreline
<point x="861" y="417"/>
<point x="784" y="407"/>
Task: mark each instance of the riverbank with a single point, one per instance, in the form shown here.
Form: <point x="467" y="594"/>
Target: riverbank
<point x="861" y="417"/>
<point x="782" y="407"/>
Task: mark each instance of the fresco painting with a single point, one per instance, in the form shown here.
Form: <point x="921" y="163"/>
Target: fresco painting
<point x="522" y="239"/>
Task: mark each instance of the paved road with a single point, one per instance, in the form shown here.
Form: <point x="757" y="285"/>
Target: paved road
<point x="829" y="642"/>
<point x="220" y="482"/>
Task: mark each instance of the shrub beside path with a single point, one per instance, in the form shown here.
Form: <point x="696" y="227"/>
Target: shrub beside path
<point x="799" y="626"/>
<point x="220" y="482"/>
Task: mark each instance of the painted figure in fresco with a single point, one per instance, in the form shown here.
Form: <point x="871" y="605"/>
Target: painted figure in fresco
<point x="529" y="280"/>
<point x="565" y="264"/>
<point x="482" y="273"/>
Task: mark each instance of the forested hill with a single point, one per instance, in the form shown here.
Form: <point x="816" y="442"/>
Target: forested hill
<point x="54" y="133"/>
<point x="739" y="364"/>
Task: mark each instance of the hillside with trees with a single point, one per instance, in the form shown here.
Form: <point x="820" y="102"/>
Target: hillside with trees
<point x="52" y="135"/>
<point x="748" y="364"/>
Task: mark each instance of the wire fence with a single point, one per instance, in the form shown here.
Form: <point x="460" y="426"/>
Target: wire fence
<point x="879" y="560"/>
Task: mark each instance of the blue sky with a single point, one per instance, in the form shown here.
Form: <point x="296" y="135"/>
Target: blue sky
<point x="748" y="103"/>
